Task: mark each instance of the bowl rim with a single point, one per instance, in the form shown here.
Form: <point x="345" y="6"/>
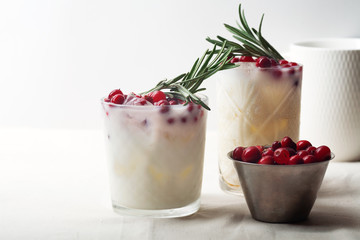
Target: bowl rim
<point x="229" y="154"/>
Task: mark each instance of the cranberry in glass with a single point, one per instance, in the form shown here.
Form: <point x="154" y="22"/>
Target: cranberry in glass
<point x="235" y="60"/>
<point x="190" y="107"/>
<point x="273" y="62"/>
<point x="246" y="59"/>
<point x="140" y="101"/>
<point x="148" y="98"/>
<point x="114" y="92"/>
<point x="157" y="96"/>
<point x="277" y="73"/>
<point x="118" y="99"/>
<point x="173" y="102"/>
<point x="283" y="61"/>
<point x="161" y="103"/>
<point x="263" y="62"/>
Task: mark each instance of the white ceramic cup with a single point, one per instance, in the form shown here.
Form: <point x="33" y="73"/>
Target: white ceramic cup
<point x="330" y="105"/>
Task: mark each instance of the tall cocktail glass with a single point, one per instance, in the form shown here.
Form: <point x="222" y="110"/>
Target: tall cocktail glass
<point x="255" y="106"/>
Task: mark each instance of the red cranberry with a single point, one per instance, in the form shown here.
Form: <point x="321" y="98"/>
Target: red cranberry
<point x="140" y="101"/>
<point x="311" y="150"/>
<point x="293" y="64"/>
<point x="164" y="108"/>
<point x="281" y="156"/>
<point x="118" y="99"/>
<point x="183" y="119"/>
<point x="181" y="101"/>
<point x="322" y="153"/>
<point x="283" y="61"/>
<point x="288" y="142"/>
<point x="309" y="159"/>
<point x="114" y="92"/>
<point x="202" y="112"/>
<point x="161" y="103"/>
<point x="251" y="154"/>
<point x="302" y="153"/>
<point x="267" y="160"/>
<point x="268" y="152"/>
<point x="273" y="62"/>
<point x="106" y="100"/>
<point x="277" y="73"/>
<point x="286" y="65"/>
<point x="171" y="120"/>
<point x="190" y="107"/>
<point x="295" y="160"/>
<point x="246" y="59"/>
<point x="157" y="96"/>
<point x="302" y="145"/>
<point x="276" y="145"/>
<point x="263" y="62"/>
<point x="237" y="153"/>
<point x="173" y="102"/>
<point x="292" y="152"/>
<point x="148" y="98"/>
<point x="235" y="60"/>
<point x="134" y="94"/>
<point x="261" y="148"/>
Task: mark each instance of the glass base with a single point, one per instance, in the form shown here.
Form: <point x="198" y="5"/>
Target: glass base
<point x="234" y="190"/>
<point x="161" y="213"/>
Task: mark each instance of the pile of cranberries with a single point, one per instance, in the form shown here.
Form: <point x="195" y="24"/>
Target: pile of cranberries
<point x="264" y="62"/>
<point x="157" y="98"/>
<point x="285" y="152"/>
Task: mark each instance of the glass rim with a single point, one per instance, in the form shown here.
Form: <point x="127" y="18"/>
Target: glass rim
<point x="203" y="97"/>
<point x="245" y="65"/>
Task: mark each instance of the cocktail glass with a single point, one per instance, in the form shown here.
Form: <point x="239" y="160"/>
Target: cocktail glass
<point x="155" y="158"/>
<point x="255" y="106"/>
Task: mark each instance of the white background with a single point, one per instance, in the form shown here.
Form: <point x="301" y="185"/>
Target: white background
<point x="58" y="58"/>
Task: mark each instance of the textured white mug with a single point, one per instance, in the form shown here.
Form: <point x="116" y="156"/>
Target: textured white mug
<point x="330" y="105"/>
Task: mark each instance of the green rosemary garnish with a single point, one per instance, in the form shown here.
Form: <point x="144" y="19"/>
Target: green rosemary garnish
<point x="186" y="85"/>
<point x="252" y="43"/>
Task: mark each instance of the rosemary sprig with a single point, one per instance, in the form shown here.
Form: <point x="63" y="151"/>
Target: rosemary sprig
<point x="251" y="41"/>
<point x="186" y="85"/>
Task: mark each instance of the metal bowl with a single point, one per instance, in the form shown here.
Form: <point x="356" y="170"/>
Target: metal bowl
<point x="280" y="193"/>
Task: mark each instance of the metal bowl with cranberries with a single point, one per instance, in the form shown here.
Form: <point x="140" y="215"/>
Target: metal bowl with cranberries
<point x="280" y="182"/>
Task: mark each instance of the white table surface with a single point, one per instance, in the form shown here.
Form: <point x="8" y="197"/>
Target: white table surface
<point x="53" y="185"/>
